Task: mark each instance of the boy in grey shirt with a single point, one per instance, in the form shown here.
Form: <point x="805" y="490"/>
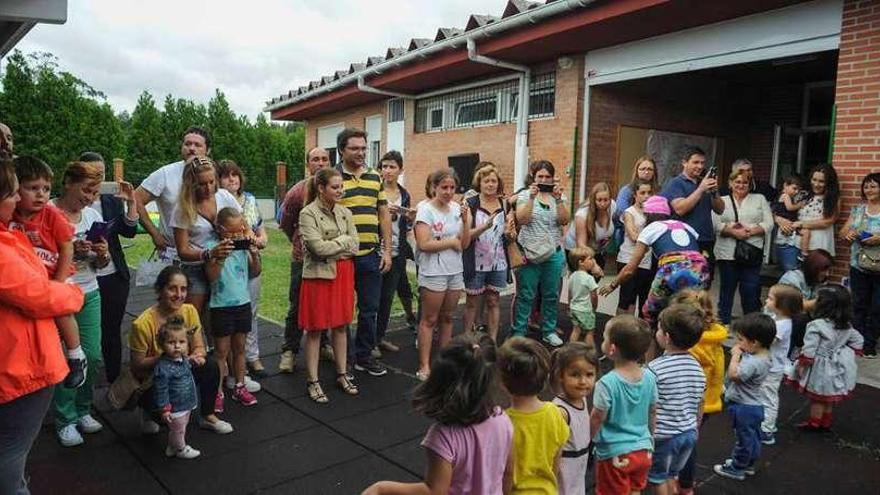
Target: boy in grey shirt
<point x="749" y="366"/>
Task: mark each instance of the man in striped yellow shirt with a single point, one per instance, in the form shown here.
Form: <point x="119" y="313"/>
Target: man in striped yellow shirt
<point x="366" y="200"/>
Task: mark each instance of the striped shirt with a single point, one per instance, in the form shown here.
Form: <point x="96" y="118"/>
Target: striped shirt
<point x="680" y="388"/>
<point x="363" y="196"/>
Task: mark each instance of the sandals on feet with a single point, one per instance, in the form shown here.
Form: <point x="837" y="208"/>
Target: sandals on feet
<point x="345" y="383"/>
<point x="316" y="393"/>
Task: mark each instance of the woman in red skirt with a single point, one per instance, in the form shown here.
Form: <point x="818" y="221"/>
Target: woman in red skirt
<point x="326" y="299"/>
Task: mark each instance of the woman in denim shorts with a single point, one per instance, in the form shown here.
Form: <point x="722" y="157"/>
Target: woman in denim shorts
<point x="486" y="268"/>
<point x="440" y="236"/>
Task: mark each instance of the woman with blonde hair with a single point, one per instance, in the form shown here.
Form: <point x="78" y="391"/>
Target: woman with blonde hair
<point x="593" y="224"/>
<point x="486" y="265"/>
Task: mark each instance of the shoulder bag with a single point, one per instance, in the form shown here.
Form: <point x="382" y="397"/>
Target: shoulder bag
<point x="868" y="259"/>
<point x="745" y="253"/>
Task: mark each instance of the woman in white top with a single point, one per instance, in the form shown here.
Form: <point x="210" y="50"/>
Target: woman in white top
<point x="440" y="239"/>
<point x="193" y="221"/>
<point x="821" y="211"/>
<point x="81" y="184"/>
<point x="746" y="217"/>
<point x="594" y="225"/>
<point x="635" y="290"/>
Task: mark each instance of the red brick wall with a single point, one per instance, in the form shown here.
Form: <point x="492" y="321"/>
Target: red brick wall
<point x="550" y="138"/>
<point x="857" y="134"/>
<point x="687" y="103"/>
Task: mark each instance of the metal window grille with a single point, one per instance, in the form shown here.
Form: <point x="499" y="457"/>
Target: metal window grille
<point x="395" y="110"/>
<point x="487" y="105"/>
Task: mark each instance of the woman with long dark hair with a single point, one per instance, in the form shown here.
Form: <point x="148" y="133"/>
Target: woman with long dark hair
<point x="820" y="212"/>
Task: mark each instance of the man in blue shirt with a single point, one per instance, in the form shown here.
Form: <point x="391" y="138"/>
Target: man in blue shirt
<point x="693" y="198"/>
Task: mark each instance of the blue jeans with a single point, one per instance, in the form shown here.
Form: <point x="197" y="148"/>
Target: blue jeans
<point x="747" y="421"/>
<point x="787" y="256"/>
<point x="671" y="455"/>
<point x="749" y="280"/>
<point x="865" y="287"/>
<point x="368" y="286"/>
<point x="20" y="421"/>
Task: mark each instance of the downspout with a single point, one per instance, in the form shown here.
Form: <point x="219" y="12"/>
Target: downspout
<point x="363" y="86"/>
<point x="585" y="132"/>
<point x="521" y="145"/>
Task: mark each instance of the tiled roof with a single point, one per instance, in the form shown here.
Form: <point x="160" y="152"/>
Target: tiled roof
<point x="475" y="21"/>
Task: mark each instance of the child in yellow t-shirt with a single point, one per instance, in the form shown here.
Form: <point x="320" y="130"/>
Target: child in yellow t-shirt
<point x="710" y="354"/>
<point x="539" y="429"/>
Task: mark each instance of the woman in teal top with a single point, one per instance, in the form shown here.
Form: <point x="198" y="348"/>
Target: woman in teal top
<point x="862" y="231"/>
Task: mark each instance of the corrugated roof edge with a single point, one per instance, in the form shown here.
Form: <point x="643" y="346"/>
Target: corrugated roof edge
<point x="446" y="38"/>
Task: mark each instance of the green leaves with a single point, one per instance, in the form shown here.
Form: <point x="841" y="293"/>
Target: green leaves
<point x="56" y="116"/>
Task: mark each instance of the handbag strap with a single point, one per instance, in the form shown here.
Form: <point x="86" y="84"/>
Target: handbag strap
<point x="735" y="212"/>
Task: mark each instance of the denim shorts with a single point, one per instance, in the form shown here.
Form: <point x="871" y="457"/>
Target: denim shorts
<point x="195" y="275"/>
<point x="495" y="281"/>
<point x="670" y="456"/>
<point x="442" y="283"/>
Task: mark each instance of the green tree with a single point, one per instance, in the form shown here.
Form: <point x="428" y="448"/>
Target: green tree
<point x="145" y="143"/>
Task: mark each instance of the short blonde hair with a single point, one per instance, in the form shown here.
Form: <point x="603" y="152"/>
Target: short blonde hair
<point x="483" y="170"/>
<point x="735" y="174"/>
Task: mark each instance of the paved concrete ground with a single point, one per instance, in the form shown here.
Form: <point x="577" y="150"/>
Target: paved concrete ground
<point x="288" y="444"/>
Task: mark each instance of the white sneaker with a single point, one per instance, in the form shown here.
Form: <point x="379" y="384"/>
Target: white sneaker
<point x="220" y="427"/>
<point x="376" y="353"/>
<point x="88" y="424"/>
<point x="186" y="452"/>
<point x="148" y="426"/>
<point x="69" y="436"/>
<point x="249" y="383"/>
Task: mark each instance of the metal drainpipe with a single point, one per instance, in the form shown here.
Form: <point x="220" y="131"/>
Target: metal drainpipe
<point x="521" y="149"/>
<point x="362" y="86"/>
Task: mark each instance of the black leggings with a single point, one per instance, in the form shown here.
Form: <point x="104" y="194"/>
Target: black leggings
<point x="207" y="378"/>
<point x="114" y="296"/>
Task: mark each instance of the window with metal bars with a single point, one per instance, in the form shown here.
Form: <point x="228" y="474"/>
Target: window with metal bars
<point x="395" y="110"/>
<point x="486" y="105"/>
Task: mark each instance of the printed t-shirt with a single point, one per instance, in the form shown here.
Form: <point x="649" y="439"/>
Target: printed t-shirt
<point x="46" y="231"/>
<point x="443" y="225"/>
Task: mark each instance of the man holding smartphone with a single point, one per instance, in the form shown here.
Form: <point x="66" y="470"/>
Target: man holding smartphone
<point x="693" y="198"/>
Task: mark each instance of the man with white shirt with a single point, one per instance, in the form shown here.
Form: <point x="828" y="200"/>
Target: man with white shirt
<point x="163" y="187"/>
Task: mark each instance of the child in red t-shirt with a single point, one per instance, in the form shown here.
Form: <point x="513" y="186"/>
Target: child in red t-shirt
<point x="52" y="237"/>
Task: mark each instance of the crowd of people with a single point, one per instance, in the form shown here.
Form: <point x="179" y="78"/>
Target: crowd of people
<point x="353" y="231"/>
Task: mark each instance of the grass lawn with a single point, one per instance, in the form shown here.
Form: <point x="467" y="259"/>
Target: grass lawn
<point x="276" y="272"/>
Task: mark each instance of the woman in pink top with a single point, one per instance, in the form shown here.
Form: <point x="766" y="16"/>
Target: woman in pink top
<point x="470" y="445"/>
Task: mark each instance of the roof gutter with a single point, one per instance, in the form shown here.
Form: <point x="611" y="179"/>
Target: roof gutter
<point x="515" y="21"/>
<point x="521" y="145"/>
<point x="363" y="86"/>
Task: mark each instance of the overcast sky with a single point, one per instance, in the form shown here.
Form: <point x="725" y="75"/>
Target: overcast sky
<point x="251" y="50"/>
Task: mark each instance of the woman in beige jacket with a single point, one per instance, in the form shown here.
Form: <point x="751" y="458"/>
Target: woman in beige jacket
<point x="326" y="299"/>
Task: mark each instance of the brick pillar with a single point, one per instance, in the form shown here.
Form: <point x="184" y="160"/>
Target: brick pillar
<point x="857" y="130"/>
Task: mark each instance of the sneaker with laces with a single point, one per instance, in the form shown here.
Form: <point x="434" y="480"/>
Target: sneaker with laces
<point x="243" y="396"/>
<point x="88" y="424"/>
<point x="371" y="366"/>
<point x="186" y="452"/>
<point x="218" y="402"/>
<point x="727" y="470"/>
<point x="388" y="346"/>
<point x="552" y="340"/>
<point x="288" y="362"/>
<point x="77" y="375"/>
<point x="218" y="426"/>
<point x="69" y="436"/>
<point x="252" y="385"/>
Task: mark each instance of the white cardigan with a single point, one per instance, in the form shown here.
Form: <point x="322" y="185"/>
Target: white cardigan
<point x="754" y="210"/>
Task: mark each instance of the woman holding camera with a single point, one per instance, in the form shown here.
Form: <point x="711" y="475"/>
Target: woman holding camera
<point x="541" y="212"/>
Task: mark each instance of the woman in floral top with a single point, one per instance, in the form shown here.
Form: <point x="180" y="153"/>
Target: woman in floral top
<point x="486" y="267"/>
<point x="232" y="179"/>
